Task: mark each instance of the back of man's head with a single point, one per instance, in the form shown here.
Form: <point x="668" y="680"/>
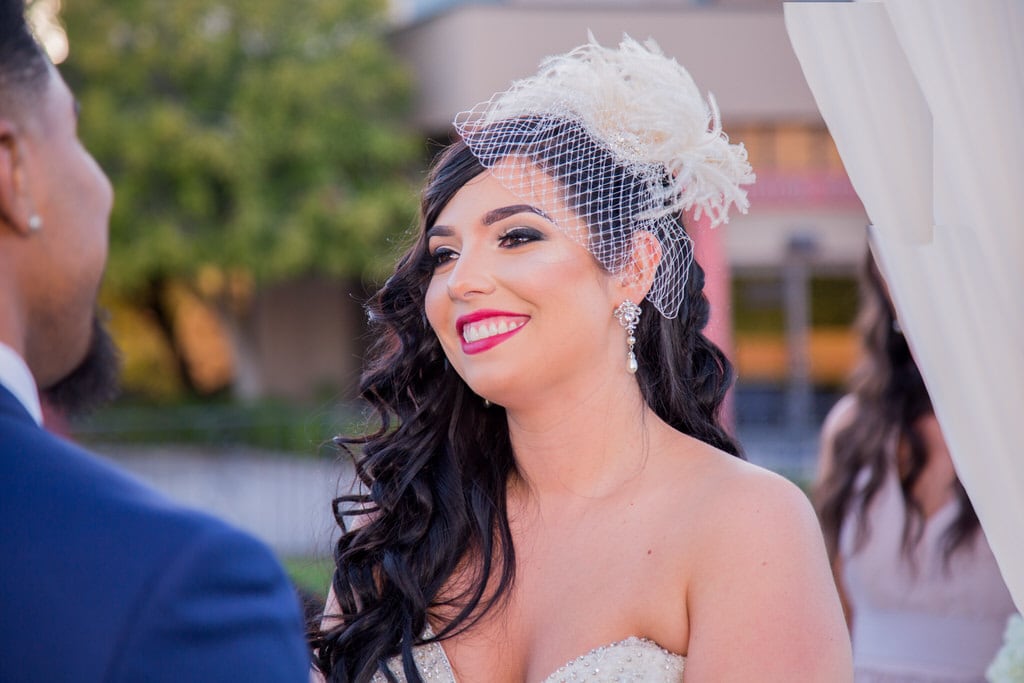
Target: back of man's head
<point x="23" y="65"/>
<point x="54" y="207"/>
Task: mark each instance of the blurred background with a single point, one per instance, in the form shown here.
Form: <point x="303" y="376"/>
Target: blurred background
<point x="266" y="157"/>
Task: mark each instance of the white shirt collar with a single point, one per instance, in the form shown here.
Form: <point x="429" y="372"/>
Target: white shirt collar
<point x="16" y="378"/>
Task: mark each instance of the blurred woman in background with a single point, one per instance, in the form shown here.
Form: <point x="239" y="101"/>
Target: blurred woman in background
<point x="920" y="586"/>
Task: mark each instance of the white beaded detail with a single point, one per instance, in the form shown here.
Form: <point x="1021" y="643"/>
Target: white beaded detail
<point x="431" y="663"/>
<point x="633" y="660"/>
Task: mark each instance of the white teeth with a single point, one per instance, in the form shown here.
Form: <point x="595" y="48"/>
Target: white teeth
<point x="472" y="333"/>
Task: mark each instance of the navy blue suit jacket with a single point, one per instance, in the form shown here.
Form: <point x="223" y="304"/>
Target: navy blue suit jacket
<point x="103" y="579"/>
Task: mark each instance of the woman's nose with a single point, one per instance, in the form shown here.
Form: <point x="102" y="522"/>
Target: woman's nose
<point x="471" y="276"/>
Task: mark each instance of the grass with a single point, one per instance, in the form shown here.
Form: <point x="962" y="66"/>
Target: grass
<point x="311" y="574"/>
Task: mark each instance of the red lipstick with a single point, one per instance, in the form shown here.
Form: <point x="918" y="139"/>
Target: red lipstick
<point x="483" y="336"/>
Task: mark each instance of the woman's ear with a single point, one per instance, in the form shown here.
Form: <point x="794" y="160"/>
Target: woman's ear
<point x="15" y="209"/>
<point x="636" y="278"/>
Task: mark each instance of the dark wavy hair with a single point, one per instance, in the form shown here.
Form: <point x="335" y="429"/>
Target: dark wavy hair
<point x="435" y="473"/>
<point x="891" y="397"/>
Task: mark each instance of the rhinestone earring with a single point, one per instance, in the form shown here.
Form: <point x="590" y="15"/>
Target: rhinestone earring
<point x="35" y="223"/>
<point x="628" y="315"/>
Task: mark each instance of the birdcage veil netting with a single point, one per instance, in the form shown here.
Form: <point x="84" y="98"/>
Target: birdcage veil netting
<point x="609" y="142"/>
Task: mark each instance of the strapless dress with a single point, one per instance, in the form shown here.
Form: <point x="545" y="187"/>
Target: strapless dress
<point x="633" y="660"/>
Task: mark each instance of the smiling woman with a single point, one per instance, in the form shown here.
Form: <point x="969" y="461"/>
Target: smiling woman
<point x="538" y="496"/>
<point x="513" y="267"/>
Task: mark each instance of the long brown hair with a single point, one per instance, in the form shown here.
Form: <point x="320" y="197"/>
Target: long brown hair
<point x="890" y="399"/>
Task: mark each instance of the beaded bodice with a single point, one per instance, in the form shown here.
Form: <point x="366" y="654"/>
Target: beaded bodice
<point x="633" y="660"/>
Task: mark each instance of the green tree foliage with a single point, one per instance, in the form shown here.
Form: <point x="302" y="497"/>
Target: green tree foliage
<point x="249" y="142"/>
<point x="261" y="136"/>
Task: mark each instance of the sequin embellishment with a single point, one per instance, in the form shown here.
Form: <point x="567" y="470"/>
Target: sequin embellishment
<point x="633" y="660"/>
<point x="431" y="663"/>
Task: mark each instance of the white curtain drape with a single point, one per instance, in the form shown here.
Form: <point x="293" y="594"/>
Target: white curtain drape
<point x="925" y="101"/>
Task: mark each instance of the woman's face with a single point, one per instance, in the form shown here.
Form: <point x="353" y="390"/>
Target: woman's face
<point x="517" y="305"/>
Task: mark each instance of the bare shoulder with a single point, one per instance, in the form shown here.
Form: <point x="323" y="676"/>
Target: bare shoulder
<point x="724" y="485"/>
<point x="840" y="416"/>
<point x="760" y="558"/>
<point x="748" y="500"/>
<point x="743" y="508"/>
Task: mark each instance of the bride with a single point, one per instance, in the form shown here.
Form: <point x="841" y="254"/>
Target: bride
<point x="550" y="494"/>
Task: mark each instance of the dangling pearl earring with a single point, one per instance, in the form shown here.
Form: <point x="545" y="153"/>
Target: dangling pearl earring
<point x="628" y="315"/>
<point x="35" y="223"/>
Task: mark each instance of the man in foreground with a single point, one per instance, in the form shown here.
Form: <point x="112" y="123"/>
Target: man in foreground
<point x="103" y="579"/>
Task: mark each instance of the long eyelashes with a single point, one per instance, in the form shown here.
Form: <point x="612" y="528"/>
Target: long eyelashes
<point x="517" y="236"/>
<point x="510" y="239"/>
<point x="441" y="256"/>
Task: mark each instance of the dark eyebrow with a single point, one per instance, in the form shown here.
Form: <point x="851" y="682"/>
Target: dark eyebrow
<point x="498" y="214"/>
<point x="490" y="218"/>
<point x="439" y="231"/>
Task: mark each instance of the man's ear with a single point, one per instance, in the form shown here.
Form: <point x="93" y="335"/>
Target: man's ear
<point x="15" y="205"/>
<point x="636" y="278"/>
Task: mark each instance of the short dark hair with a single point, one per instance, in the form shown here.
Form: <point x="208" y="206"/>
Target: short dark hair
<point x="24" y="66"/>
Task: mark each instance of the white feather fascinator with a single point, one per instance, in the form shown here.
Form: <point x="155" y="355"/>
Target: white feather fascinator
<point x="645" y="108"/>
<point x="594" y="112"/>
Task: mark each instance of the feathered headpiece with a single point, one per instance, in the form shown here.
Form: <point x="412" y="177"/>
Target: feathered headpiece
<point x="595" y="112"/>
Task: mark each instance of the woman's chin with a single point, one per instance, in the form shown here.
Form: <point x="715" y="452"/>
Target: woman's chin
<point x="498" y="393"/>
